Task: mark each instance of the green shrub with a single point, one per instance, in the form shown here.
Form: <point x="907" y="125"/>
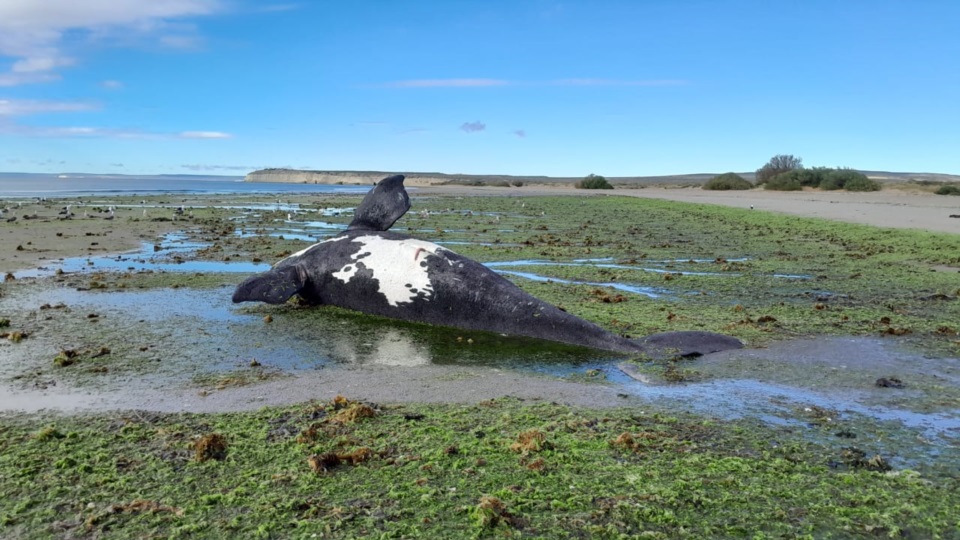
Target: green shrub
<point x="823" y="178"/>
<point x="949" y="189"/>
<point x="783" y="182"/>
<point x="852" y="180"/>
<point x="832" y="181"/>
<point x="594" y="181"/>
<point x="803" y="177"/>
<point x="727" y="181"/>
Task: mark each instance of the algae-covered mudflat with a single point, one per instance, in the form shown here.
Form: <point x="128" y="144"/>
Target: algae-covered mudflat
<point x="840" y="419"/>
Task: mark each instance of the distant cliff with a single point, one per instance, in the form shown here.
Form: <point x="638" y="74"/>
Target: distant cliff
<point x="294" y="176"/>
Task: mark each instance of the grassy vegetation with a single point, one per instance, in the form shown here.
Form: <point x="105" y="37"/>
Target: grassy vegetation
<point x="496" y="469"/>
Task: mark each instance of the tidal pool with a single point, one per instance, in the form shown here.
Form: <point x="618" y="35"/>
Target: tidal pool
<point x="199" y="334"/>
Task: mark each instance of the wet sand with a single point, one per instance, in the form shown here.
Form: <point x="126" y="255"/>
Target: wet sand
<point x="39" y="235"/>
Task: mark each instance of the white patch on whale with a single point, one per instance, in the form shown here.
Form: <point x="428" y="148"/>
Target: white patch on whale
<point x="396" y="265"/>
<point x="308" y="248"/>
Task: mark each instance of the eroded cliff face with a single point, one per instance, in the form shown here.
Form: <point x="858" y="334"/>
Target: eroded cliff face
<point x="368" y="178"/>
<point x="338" y="177"/>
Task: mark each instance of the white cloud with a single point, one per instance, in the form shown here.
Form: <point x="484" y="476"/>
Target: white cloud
<point x="16" y="79"/>
<point x="23" y="107"/>
<point x="40" y="64"/>
<point x="111" y="84"/>
<point x="204" y="135"/>
<point x="33" y="32"/>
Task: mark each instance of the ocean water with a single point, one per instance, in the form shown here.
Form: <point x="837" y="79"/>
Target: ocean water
<point x="42" y="185"/>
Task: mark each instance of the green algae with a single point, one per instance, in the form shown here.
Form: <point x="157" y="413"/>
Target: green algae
<point x="433" y="471"/>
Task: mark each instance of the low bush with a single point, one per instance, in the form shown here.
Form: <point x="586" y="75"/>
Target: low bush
<point x="727" y="181"/>
<point x="850" y="180"/>
<point x="594" y="181"/>
<point x="824" y="178"/>
<point x="949" y="189"/>
<point x="783" y="182"/>
<point x="861" y="183"/>
<point x="804" y="177"/>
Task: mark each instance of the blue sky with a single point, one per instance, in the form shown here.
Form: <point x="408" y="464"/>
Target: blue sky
<point x="560" y="88"/>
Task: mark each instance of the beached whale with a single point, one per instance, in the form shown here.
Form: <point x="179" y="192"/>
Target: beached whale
<point x="371" y="270"/>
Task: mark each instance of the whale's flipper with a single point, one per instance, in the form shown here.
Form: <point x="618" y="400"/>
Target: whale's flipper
<point x="694" y="343"/>
<point x="382" y="206"/>
<point x="274" y="286"/>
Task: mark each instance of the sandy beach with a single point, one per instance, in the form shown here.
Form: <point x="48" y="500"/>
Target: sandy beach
<point x="894" y="208"/>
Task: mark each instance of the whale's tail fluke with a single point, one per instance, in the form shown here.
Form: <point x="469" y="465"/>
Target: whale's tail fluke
<point x="383" y="205"/>
<point x="275" y="286"/>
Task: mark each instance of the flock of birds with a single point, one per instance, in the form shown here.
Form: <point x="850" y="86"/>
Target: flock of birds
<point x="9" y="212"/>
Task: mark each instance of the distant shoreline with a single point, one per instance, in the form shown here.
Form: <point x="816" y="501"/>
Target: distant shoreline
<point x="425" y="179"/>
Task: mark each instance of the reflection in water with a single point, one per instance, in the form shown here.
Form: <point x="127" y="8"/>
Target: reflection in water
<point x="392" y="347"/>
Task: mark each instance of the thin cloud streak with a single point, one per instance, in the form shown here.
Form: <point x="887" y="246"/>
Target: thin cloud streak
<point x="204" y="135"/>
<point x="59" y="132"/>
<point x="204" y="167"/>
<point x="24" y="107"/>
<point x="489" y="83"/>
<point x="615" y="82"/>
<point x="446" y="83"/>
<point x="8" y="127"/>
<point x="17" y="79"/>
